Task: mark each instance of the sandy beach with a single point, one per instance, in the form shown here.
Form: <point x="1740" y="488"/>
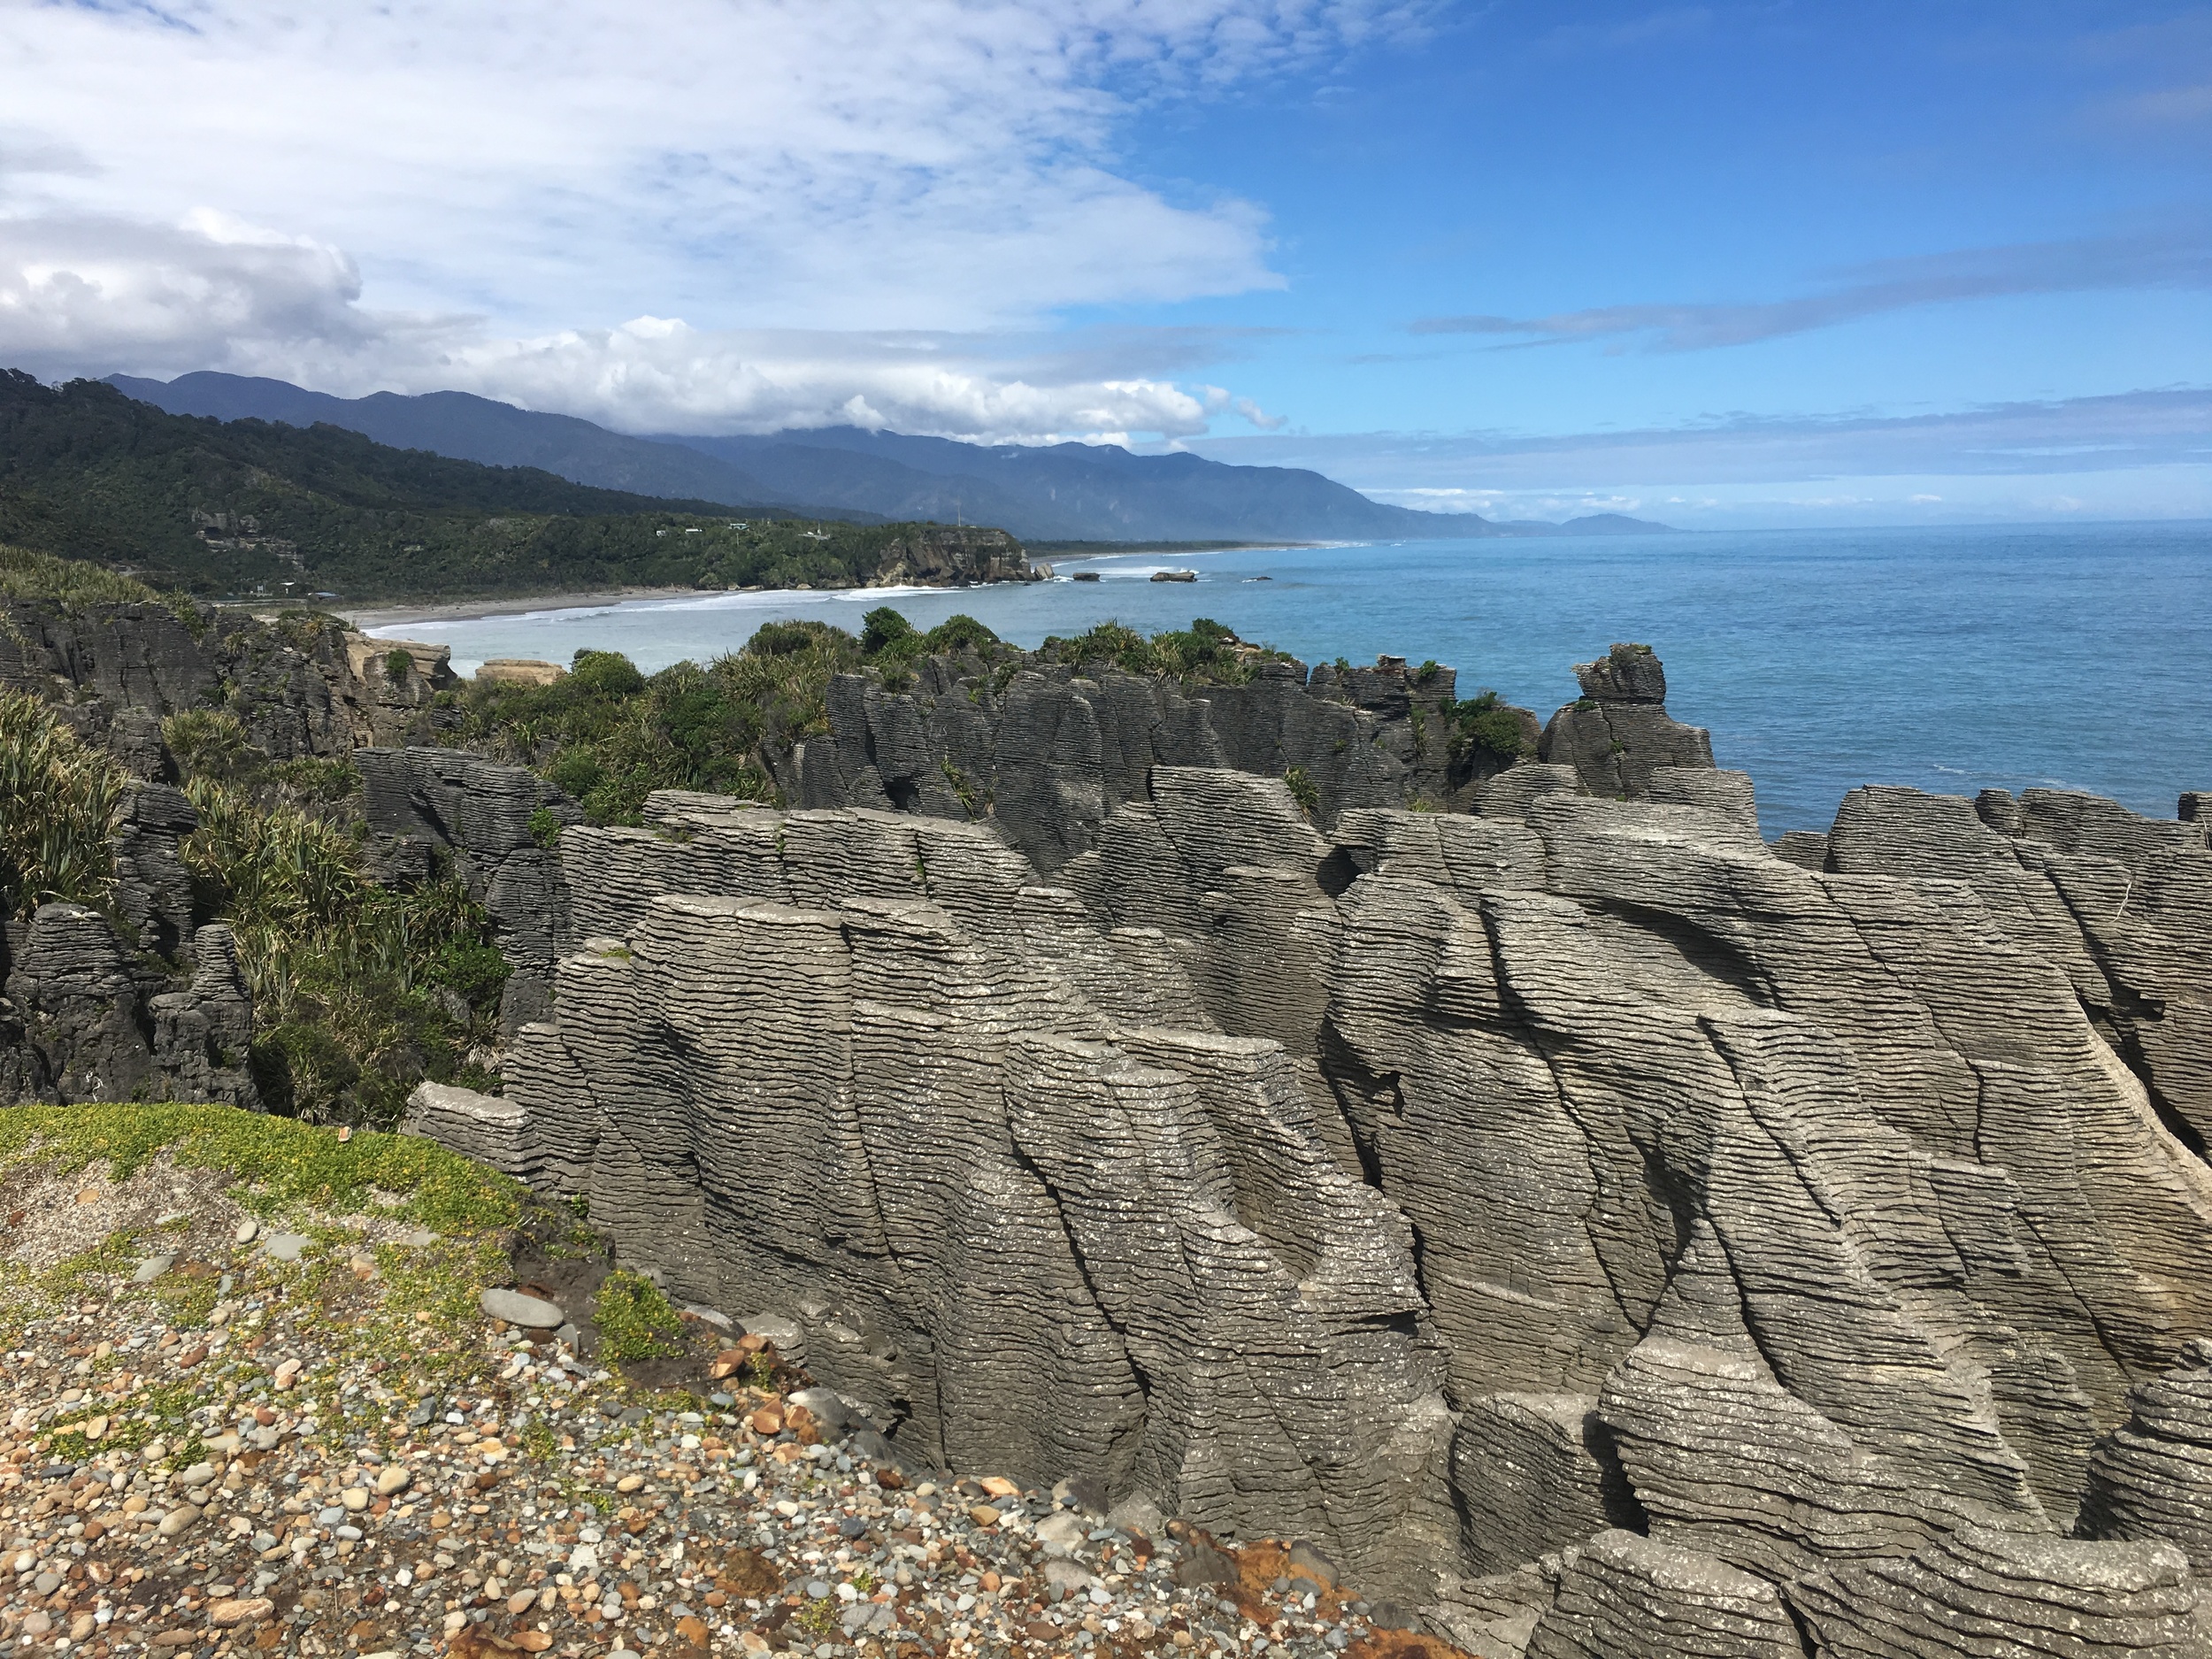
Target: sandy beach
<point x="383" y="618"/>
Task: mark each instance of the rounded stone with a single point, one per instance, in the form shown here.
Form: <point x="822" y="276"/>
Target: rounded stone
<point x="531" y="1312"/>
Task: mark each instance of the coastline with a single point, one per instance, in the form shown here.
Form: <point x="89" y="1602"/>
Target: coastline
<point x="387" y="615"/>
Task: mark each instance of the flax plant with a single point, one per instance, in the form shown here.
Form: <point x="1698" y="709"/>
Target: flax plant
<point x="60" y="803"/>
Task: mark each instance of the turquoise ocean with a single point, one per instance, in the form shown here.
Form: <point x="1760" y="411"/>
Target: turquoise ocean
<point x="1951" y="660"/>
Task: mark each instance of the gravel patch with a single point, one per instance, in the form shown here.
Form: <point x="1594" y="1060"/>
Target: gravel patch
<point x="345" y="1454"/>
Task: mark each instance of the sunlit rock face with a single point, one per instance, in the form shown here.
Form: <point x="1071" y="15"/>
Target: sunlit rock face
<point x="1612" y="1233"/>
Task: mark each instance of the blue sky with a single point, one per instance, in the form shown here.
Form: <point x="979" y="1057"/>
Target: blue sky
<point x="1819" y="213"/>
<point x="1725" y="264"/>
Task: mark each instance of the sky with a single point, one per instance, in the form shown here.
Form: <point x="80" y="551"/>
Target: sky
<point x="1727" y="265"/>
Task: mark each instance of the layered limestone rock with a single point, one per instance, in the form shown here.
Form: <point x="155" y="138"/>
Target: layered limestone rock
<point x="1619" y="733"/>
<point x="1053" y="751"/>
<point x="309" y="686"/>
<point x="1625" y="1594"/>
<point x="1455" y="1189"/>
<point x="2151" y="1478"/>
<point x="1026" y="1201"/>
<point x="945" y="556"/>
<point x="82" y="1019"/>
<point x="425" y="804"/>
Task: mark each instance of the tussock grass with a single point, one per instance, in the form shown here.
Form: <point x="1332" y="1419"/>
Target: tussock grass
<point x="25" y="573"/>
<point x="60" y="803"/>
<point x="358" y="990"/>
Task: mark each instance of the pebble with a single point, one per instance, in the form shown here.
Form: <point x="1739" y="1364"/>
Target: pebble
<point x="247" y="1231"/>
<point x="152" y="1268"/>
<point x="287" y="1246"/>
<point x="442" y="1490"/>
<point x="177" y="1519"/>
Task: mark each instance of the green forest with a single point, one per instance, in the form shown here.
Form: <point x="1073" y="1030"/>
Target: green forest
<point x="256" y="509"/>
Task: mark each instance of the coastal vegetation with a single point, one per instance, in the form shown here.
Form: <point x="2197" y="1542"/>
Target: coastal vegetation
<point x="60" y="802"/>
<point x="1205" y="653"/>
<point x="611" y="735"/>
<point x="360" y="990"/>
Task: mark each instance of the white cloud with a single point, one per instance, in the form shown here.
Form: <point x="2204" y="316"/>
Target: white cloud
<point x="653" y="375"/>
<point x="550" y="168"/>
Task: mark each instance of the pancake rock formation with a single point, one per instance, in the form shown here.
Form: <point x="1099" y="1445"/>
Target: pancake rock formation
<point x="1603" y="1230"/>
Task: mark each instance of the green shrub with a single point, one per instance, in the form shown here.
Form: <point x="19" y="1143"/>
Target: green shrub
<point x="545" y="827"/>
<point x="781" y="639"/>
<point x="605" y="674"/>
<point x="60" y="803"/>
<point x="210" y="743"/>
<point x="1302" y="790"/>
<point x="635" y="1321"/>
<point x="73" y="584"/>
<point x="398" y="664"/>
<point x="883" y="628"/>
<point x="961" y="633"/>
<point x="1484" y="727"/>
<point x="359" y="992"/>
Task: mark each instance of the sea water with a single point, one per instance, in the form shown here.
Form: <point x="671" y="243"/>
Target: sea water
<point x="1951" y="660"/>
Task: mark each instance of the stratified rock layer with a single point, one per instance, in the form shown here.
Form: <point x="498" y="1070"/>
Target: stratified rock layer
<point x="1453" y="1188"/>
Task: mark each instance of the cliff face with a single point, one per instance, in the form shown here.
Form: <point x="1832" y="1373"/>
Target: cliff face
<point x="304" y="687"/>
<point x="1049" y="753"/>
<point x="946" y="556"/>
<point x="1621" y="1238"/>
<point x="160" y="1011"/>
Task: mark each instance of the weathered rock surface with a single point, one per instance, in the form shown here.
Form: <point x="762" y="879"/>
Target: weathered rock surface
<point x="2151" y="1477"/>
<point x="304" y="687"/>
<point x="481" y="1127"/>
<point x="83" y="1020"/>
<point x="1618" y="734"/>
<point x="1625" y="1594"/>
<point x="1052" y="752"/>
<point x="1452" y="1188"/>
<point x="946" y="556"/>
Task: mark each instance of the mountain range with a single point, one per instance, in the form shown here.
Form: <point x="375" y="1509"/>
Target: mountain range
<point x="258" y="508"/>
<point x="1062" y="492"/>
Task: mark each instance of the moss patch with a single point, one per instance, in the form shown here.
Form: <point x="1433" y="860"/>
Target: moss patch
<point x="635" y="1321"/>
<point x="283" y="1162"/>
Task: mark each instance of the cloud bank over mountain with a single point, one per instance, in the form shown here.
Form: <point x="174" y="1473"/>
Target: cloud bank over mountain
<point x="525" y="201"/>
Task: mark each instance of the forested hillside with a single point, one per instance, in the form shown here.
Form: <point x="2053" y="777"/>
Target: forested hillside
<point x="252" y="508"/>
